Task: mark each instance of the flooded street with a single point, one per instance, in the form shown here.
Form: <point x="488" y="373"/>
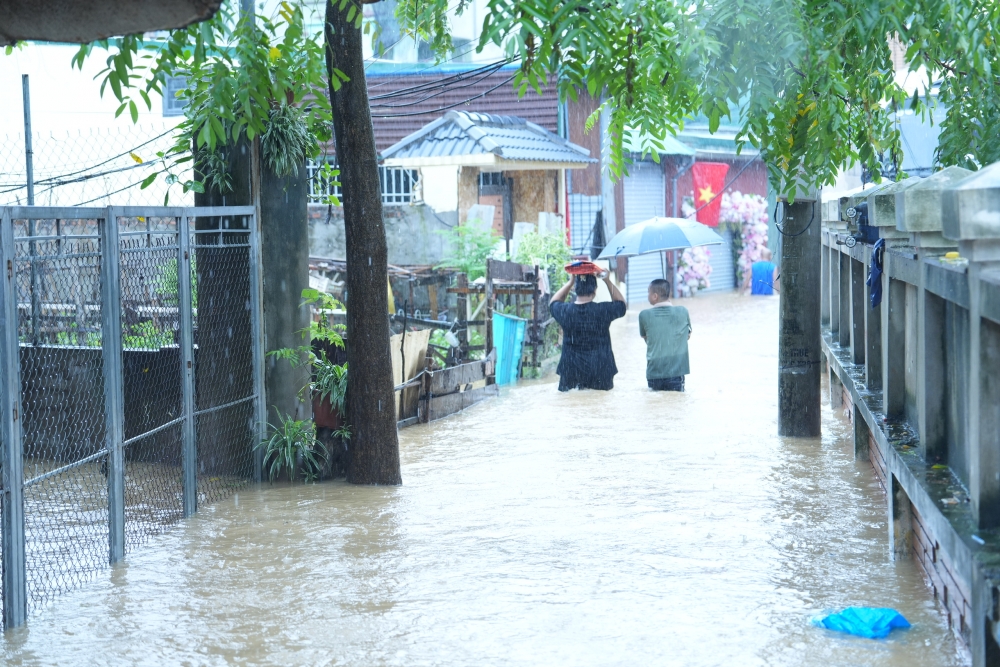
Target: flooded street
<point x="627" y="528"/>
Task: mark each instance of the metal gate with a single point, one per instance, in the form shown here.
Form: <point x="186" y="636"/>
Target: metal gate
<point x="132" y="390"/>
<point x="645" y="198"/>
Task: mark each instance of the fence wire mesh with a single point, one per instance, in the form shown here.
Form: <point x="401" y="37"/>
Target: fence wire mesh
<point x="62" y="301"/>
<point x="58" y="296"/>
<point x="98" y="167"/>
<point x="151" y="370"/>
<point x="224" y="358"/>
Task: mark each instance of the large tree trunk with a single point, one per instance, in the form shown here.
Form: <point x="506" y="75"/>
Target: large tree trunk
<point x="370" y="406"/>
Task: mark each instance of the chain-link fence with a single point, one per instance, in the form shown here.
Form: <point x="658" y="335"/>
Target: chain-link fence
<point x="133" y="382"/>
<point x="97" y="167"/>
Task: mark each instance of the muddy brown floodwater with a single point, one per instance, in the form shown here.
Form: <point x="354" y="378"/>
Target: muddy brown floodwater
<point x="627" y="528"/>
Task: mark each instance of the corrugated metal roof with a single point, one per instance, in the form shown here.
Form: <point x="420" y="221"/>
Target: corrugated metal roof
<point x="473" y="133"/>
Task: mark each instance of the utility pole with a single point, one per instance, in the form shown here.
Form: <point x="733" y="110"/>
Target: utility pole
<point x="36" y="295"/>
<point x="27" y="140"/>
<point x="799" y="333"/>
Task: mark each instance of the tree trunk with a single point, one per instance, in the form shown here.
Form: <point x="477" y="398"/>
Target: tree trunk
<point x="370" y="408"/>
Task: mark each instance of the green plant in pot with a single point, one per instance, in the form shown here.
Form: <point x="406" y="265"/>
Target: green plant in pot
<point x="293" y="446"/>
<point x="328" y="386"/>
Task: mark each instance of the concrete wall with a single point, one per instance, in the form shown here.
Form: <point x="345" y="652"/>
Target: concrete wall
<point x="414" y="233"/>
<point x="930" y="426"/>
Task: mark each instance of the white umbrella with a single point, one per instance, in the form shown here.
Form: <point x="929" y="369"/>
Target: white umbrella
<point x="658" y="235"/>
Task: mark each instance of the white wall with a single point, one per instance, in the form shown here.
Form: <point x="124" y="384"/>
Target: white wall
<point x="62" y="97"/>
<point x="439" y="186"/>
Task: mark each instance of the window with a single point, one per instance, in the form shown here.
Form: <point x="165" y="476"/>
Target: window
<point x="173" y="105"/>
<point x="397" y="184"/>
<point x="490" y="179"/>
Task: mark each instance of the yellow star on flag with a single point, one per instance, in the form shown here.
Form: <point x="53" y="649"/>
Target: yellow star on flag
<point x="705" y="194"/>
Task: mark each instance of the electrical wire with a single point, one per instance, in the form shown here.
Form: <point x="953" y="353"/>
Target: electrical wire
<point x="485" y="70"/>
<point x="449" y="106"/>
<point x="782" y="231"/>
<point x="432" y="93"/>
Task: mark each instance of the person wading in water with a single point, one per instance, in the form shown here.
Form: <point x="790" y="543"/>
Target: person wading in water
<point x="587" y="361"/>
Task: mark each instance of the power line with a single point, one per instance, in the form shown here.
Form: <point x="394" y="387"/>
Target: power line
<point x="450" y="106"/>
<point x="436" y="92"/>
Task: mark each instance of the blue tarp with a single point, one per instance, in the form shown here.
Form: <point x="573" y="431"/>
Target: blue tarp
<point x="508" y="337"/>
<point x="870" y="622"/>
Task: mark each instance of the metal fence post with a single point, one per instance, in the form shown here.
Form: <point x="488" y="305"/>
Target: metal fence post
<point x="114" y="400"/>
<point x="15" y="598"/>
<point x="257" y="335"/>
<point x="189" y="442"/>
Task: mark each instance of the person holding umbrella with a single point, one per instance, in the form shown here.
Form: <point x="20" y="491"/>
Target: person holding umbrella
<point x="587" y="361"/>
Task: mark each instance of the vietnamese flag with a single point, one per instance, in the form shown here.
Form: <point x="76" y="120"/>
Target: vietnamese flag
<point x="709" y="180"/>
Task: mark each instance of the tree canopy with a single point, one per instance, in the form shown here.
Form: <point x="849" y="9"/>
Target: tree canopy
<point x="811" y="81"/>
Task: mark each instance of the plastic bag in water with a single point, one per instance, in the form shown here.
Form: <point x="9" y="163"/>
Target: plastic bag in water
<point x="870" y="622"/>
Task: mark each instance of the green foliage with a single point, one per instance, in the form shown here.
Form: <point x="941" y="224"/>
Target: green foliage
<point x="329" y="380"/>
<point x="470" y="245"/>
<point x="78" y="338"/>
<point x="289" y="441"/>
<point x="810" y="82"/>
<point x="286" y="141"/>
<point x="330" y="383"/>
<point x="166" y="284"/>
<point x="146" y="336"/>
<point x="549" y="252"/>
<point x="324" y="305"/>
<point x="241" y="73"/>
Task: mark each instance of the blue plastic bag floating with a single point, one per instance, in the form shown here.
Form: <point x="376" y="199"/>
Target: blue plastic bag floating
<point x="870" y="622"/>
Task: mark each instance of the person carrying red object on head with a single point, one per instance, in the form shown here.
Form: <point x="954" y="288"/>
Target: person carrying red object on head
<point x="587" y="361"/>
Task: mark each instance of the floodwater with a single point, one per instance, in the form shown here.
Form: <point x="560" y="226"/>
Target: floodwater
<point x="627" y="528"/>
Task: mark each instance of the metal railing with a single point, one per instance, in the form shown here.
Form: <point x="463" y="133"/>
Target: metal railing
<point x="397" y="184"/>
<point x="132" y="390"/>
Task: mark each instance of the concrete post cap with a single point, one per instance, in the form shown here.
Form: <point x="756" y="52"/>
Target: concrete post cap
<point x="971" y="207"/>
<point x="882" y="203"/>
<point x="918" y="208"/>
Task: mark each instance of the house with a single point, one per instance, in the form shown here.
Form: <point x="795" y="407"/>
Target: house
<point x="467" y="158"/>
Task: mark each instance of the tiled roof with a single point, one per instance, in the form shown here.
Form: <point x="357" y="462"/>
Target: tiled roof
<point x="473" y="133"/>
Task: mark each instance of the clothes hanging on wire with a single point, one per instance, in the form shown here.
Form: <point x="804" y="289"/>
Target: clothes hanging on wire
<point x="875" y="269"/>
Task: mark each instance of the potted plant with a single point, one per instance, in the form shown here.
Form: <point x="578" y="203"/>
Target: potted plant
<point x="328" y="386"/>
<point x="329" y="392"/>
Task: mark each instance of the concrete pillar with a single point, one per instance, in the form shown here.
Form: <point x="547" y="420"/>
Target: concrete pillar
<point x="833" y="280"/>
<point x="799" y="333"/>
<point x="931" y="376"/>
<point x="836" y="391"/>
<point x="900" y="520"/>
<point x="918" y="213"/>
<point x="858" y="306"/>
<point x="824" y="279"/>
<point x="862" y="434"/>
<point x="971" y="216"/>
<point x="844" y="334"/>
<point x="893" y="346"/>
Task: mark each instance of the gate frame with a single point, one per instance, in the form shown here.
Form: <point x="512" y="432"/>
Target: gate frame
<point x="13" y="590"/>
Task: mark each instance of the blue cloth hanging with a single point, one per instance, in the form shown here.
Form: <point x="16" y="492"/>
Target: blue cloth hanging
<point x="874" y="281"/>
<point x="870" y="622"/>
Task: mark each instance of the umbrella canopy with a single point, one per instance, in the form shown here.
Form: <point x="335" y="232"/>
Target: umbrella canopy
<point x="657" y="235"/>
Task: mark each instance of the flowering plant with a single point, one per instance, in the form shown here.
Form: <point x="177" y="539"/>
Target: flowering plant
<point x="748" y="214"/>
<point x="693" y="271"/>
